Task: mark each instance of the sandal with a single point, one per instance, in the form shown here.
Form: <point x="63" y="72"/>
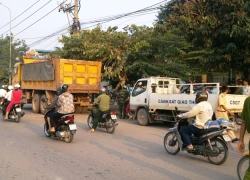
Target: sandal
<point x="91" y="130"/>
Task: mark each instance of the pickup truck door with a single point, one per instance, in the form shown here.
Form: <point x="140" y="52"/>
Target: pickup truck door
<point x="139" y="95"/>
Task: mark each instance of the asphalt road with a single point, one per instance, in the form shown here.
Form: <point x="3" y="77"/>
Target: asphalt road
<point x="133" y="152"/>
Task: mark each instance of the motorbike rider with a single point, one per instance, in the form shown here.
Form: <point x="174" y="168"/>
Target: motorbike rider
<point x="7" y="98"/>
<point x="103" y="100"/>
<point x="203" y="112"/>
<point x="64" y="104"/>
<point x="53" y="104"/>
<point x="16" y="97"/>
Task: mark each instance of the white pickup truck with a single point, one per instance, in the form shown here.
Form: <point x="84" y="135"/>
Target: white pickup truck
<point x="154" y="99"/>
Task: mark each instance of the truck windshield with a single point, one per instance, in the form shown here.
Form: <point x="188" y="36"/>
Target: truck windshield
<point x="140" y="87"/>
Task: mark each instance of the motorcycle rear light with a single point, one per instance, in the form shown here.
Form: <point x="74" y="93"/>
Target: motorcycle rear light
<point x="71" y="118"/>
<point x="112" y="112"/>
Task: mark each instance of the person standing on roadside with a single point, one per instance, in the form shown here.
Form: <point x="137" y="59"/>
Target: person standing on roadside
<point x="245" y="125"/>
<point x="246" y="88"/>
<point x="239" y="90"/>
<point x="222" y="111"/>
<point x="123" y="99"/>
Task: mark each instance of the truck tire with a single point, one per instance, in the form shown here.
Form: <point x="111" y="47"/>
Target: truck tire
<point x="42" y="104"/>
<point x="36" y="103"/>
<point x="142" y="117"/>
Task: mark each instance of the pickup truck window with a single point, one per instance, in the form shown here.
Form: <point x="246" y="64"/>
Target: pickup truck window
<point x="140" y="87"/>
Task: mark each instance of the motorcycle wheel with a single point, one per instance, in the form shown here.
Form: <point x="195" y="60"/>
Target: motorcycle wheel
<point x="242" y="167"/>
<point x="46" y="129"/>
<point x="70" y="137"/>
<point x="90" y="121"/>
<point x="110" y="126"/>
<point x="221" y="148"/>
<point x="171" y="143"/>
<point x="18" y="117"/>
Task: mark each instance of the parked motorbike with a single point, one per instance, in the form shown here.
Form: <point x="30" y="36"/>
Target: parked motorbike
<point x="209" y="143"/>
<point x="65" y="127"/>
<point x="242" y="165"/>
<point x="15" y="113"/>
<point x="108" y="120"/>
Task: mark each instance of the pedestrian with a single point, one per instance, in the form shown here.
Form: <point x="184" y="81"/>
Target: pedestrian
<point x="222" y="111"/>
<point x="245" y="125"/>
<point x="123" y="99"/>
<point x="239" y="89"/>
<point x="246" y="88"/>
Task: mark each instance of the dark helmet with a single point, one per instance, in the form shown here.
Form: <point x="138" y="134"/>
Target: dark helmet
<point x="64" y="88"/>
<point x="201" y="96"/>
<point x="58" y="91"/>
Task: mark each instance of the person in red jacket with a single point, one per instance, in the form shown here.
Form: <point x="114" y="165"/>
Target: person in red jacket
<point x="16" y="98"/>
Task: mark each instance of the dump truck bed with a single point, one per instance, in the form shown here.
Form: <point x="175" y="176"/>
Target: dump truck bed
<point x="81" y="76"/>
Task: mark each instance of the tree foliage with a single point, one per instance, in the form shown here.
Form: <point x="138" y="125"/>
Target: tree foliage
<point x="219" y="28"/>
<point x="18" y="48"/>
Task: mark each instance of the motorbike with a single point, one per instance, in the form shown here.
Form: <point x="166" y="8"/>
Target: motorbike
<point x="108" y="120"/>
<point x="65" y="127"/>
<point x="209" y="143"/>
<point x="242" y="165"/>
<point x="15" y="113"/>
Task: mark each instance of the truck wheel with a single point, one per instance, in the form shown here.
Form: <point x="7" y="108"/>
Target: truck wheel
<point x="142" y="117"/>
<point x="36" y="103"/>
<point x="42" y="104"/>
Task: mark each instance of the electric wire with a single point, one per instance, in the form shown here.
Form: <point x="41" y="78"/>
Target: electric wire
<point x="104" y="20"/>
<point x="28" y="16"/>
<point x="20" y="14"/>
<point x="38" y="19"/>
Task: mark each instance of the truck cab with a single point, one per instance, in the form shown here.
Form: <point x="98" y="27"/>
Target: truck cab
<point x="155" y="98"/>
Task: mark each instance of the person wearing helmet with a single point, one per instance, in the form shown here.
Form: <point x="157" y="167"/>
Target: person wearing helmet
<point x="103" y="100"/>
<point x="222" y="111"/>
<point x="16" y="97"/>
<point x="7" y="97"/>
<point x="202" y="112"/>
<point x="123" y="99"/>
<point x="3" y="91"/>
<point x="64" y="105"/>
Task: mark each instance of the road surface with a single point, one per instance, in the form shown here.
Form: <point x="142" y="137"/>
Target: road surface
<point x="133" y="152"/>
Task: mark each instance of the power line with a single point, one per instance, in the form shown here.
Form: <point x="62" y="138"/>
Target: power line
<point x="39" y="19"/>
<point x="20" y="14"/>
<point x="106" y="19"/>
<point x="29" y="16"/>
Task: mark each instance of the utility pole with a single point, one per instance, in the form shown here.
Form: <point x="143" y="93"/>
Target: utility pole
<point x="76" y="19"/>
<point x="74" y="10"/>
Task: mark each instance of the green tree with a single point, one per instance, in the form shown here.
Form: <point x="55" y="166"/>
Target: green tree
<point x="18" y="48"/>
<point x="218" y="28"/>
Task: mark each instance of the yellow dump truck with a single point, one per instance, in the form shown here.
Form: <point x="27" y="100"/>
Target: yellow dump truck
<point x="39" y="80"/>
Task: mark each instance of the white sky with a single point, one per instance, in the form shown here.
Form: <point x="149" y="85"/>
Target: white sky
<point x="90" y="9"/>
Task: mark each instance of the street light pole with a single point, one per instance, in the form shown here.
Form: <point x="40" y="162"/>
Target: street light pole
<point x="10" y="45"/>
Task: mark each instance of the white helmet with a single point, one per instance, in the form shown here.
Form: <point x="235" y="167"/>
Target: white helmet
<point x="10" y="87"/>
<point x="17" y="86"/>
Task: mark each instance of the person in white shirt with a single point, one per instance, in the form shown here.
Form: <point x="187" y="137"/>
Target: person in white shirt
<point x="8" y="97"/>
<point x="246" y="88"/>
<point x="203" y="112"/>
<point x="3" y="91"/>
<point x="8" y="94"/>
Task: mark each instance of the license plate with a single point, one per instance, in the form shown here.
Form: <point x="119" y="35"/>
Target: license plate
<point x="18" y="110"/>
<point x="113" y="117"/>
<point x="72" y="127"/>
<point x="226" y="137"/>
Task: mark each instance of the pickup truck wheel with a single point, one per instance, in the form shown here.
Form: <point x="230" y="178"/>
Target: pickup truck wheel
<point x="42" y="104"/>
<point x="142" y="117"/>
<point x="36" y="103"/>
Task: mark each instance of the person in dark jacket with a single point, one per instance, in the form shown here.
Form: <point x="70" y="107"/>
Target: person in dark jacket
<point x="123" y="99"/>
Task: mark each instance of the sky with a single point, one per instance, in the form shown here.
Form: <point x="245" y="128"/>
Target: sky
<point x="54" y="21"/>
